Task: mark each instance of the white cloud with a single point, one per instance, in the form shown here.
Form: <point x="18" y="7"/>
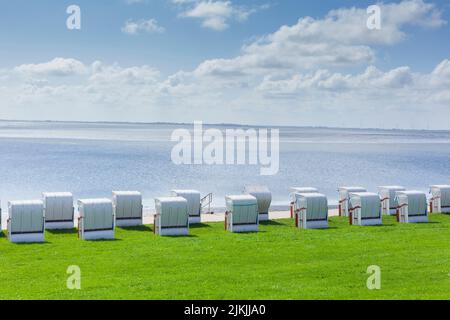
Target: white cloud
<point x="341" y="38"/>
<point x="140" y="93"/>
<point x="372" y="79"/>
<point x="441" y="74"/>
<point x="296" y="75"/>
<point x="215" y="14"/>
<point x="148" y="26"/>
<point x="105" y="74"/>
<point x="56" y="67"/>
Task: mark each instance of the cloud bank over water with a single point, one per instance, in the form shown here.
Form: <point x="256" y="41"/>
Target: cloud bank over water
<point x="316" y="72"/>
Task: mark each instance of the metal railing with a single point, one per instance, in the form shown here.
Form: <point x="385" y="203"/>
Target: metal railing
<point x="205" y="202"/>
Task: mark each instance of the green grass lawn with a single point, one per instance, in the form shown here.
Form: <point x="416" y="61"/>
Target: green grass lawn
<point x="279" y="262"/>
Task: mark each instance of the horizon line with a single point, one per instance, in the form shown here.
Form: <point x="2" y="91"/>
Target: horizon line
<point x="217" y="124"/>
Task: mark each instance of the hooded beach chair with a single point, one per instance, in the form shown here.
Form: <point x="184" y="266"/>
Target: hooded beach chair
<point x="412" y="207"/>
<point x="388" y="201"/>
<point x="96" y="219"/>
<point x="59" y="210"/>
<point x="263" y="197"/>
<point x="364" y="209"/>
<point x="311" y="211"/>
<point x="440" y="198"/>
<point x="292" y="193"/>
<point x="344" y="198"/>
<point x="128" y="209"/>
<point x="193" y="199"/>
<point x="172" y="217"/>
<point x="26" y="221"/>
<point x="242" y="213"/>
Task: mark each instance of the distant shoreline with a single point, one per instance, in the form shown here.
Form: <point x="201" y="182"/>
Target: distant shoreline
<point x="223" y="124"/>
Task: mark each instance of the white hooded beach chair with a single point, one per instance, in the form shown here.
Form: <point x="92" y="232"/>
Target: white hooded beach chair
<point x="128" y="209"/>
<point x="59" y="210"/>
<point x="172" y="217"/>
<point x="96" y="219"/>
<point x="344" y="198"/>
<point x="242" y="214"/>
<point x="364" y="209"/>
<point x="292" y="193"/>
<point x="263" y="197"/>
<point x="440" y="198"/>
<point x="412" y="207"/>
<point x="312" y="211"/>
<point x="193" y="199"/>
<point x="26" y="221"/>
<point x="388" y="200"/>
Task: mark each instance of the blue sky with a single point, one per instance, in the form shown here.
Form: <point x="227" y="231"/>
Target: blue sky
<point x="206" y="57"/>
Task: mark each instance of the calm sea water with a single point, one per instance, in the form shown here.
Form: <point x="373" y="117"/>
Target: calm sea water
<point x="90" y="160"/>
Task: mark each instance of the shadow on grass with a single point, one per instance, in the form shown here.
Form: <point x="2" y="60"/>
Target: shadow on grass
<point x="103" y="240"/>
<point x="247" y="232"/>
<point x="199" y="226"/>
<point x="2" y="234"/>
<point x="25" y="244"/>
<point x="271" y="223"/>
<point x="184" y="236"/>
<point x="323" y="229"/>
<point x="384" y="225"/>
<point x="137" y="228"/>
<point x="63" y="231"/>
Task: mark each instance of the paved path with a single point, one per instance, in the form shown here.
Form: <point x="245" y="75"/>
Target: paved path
<point x="220" y="217"/>
<point x="217" y="217"/>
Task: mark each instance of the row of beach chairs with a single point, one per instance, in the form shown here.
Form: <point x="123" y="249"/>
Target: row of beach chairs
<point x="97" y="218"/>
<point x="310" y="208"/>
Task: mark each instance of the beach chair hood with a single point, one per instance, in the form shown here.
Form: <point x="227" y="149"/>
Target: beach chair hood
<point x="127" y="204"/>
<point x="344" y="191"/>
<point x="316" y="205"/>
<point x="193" y="200"/>
<point x="173" y="211"/>
<point x="442" y="192"/>
<point x="368" y="202"/>
<point x="416" y="202"/>
<point x="97" y="214"/>
<point x="58" y="206"/>
<point x="263" y="197"/>
<point x="26" y="216"/>
<point x="294" y="190"/>
<point x="244" y="209"/>
<point x="389" y="192"/>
